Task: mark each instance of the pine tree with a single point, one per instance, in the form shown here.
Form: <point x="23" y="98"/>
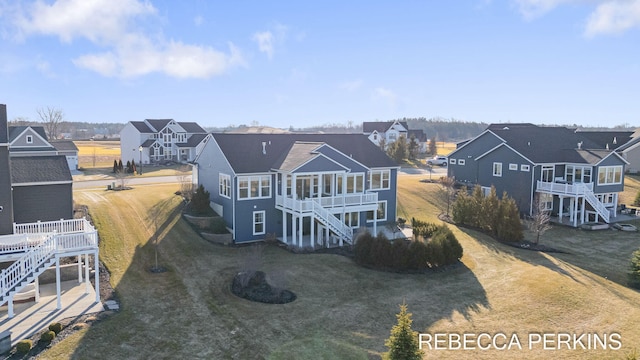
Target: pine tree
<point x="120" y="167"/>
<point x="128" y="167"/>
<point x="115" y="166"/>
<point x="634" y="273"/>
<point x="403" y="342"/>
<point x="433" y="149"/>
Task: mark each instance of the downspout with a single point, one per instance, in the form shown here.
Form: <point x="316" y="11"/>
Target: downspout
<point x="233" y="205"/>
<point x="533" y="175"/>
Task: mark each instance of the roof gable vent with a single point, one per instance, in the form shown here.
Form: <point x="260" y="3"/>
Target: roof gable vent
<point x="264" y="148"/>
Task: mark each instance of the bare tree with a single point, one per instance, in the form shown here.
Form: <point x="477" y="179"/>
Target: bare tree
<point x="186" y="184"/>
<point x="19" y="121"/>
<point x="51" y="117"/>
<point x="123" y="178"/>
<point x="447" y="190"/>
<point x="539" y="222"/>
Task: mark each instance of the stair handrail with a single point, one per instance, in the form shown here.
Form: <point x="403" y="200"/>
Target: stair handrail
<point x="597" y="205"/>
<point x="26" y="265"/>
<point x="345" y="231"/>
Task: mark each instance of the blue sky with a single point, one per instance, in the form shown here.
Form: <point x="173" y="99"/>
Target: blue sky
<point x="305" y="63"/>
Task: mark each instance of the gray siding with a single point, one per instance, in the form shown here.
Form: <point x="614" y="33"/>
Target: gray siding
<point x="6" y="215"/>
<point x="319" y="164"/>
<point x="609" y="161"/>
<point x="632" y="155"/>
<point x="469" y="172"/>
<point x="210" y="164"/>
<point x="516" y="183"/>
<point x="42" y="202"/>
<point x="342" y="159"/>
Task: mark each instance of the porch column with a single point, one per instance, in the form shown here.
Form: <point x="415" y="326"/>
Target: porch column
<point x="97" y="273"/>
<point x="560" y="208"/>
<point x="86" y="273"/>
<point x="284" y="226"/>
<point x="326" y="235"/>
<point x="582" y="211"/>
<point x="37" y="285"/>
<point x="300" y="219"/>
<point x="615" y="205"/>
<point x="375" y="222"/>
<point x="294" y="221"/>
<point x="293" y="187"/>
<point x="575" y="210"/>
<point x="58" y="295"/>
<point x="10" y="307"/>
<point x="313" y="232"/>
<point x="79" y="269"/>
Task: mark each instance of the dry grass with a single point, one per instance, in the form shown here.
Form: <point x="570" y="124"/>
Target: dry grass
<point x="92" y="154"/>
<point x="344" y="311"/>
<point x="444" y="148"/>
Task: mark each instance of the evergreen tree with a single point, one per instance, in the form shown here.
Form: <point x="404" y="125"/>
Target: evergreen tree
<point x="200" y="201"/>
<point x="414" y="147"/>
<point x="432" y="148"/>
<point x="490" y="208"/>
<point x="115" y="166"/>
<point x="128" y="167"/>
<point x="120" y="167"/>
<point x="509" y="225"/>
<point x="403" y="342"/>
<point x="133" y="166"/>
<point x="636" y="201"/>
<point x="634" y="274"/>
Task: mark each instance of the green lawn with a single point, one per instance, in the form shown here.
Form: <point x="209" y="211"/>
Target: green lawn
<point x="343" y="311"/>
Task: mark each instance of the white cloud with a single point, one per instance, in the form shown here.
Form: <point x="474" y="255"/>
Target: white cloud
<point x="269" y="39"/>
<point x="613" y="17"/>
<point x="129" y="50"/>
<point x="265" y="42"/>
<point x="609" y="16"/>
<point x="352" y="85"/>
<point x="381" y="93"/>
<point x="534" y="8"/>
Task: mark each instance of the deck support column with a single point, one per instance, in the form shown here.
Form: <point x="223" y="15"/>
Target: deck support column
<point x="560" y="208"/>
<point x="583" y="210"/>
<point x="86" y="273"/>
<point x="313" y="232"/>
<point x="79" y="269"/>
<point x="10" y="307"/>
<point x="300" y="226"/>
<point x="293" y="229"/>
<point x="58" y="291"/>
<point x="284" y="226"/>
<point x="37" y="287"/>
<point x="575" y="211"/>
<point x="97" y="273"/>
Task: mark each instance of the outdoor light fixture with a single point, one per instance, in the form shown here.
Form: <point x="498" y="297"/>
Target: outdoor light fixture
<point x="140" y="149"/>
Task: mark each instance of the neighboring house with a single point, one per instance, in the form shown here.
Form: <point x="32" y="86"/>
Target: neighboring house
<point x="630" y="151"/>
<point x="33" y="141"/>
<point x="571" y="175"/>
<point x="35" y="183"/>
<point x="155" y="140"/>
<point x="390" y="131"/>
<point x="304" y="189"/>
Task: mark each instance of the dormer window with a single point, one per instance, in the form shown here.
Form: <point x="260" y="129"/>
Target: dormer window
<point x="29" y="139"/>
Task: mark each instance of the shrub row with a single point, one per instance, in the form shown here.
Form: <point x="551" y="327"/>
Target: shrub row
<point x="498" y="217"/>
<point x="441" y="249"/>
<point x="25" y="345"/>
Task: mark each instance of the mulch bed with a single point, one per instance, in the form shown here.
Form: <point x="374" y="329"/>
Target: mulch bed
<point x="254" y="286"/>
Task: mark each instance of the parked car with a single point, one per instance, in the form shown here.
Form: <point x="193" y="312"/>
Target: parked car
<point x="437" y="160"/>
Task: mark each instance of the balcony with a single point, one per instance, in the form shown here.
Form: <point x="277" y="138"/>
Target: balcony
<point x="366" y="201"/>
<point x="564" y="188"/>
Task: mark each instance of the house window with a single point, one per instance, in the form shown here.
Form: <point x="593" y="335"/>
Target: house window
<point x="452" y="161"/>
<point x="392" y="136"/>
<point x="461" y="162"/>
<point x="547" y="173"/>
<point x="381" y="212"/>
<point x="380" y="179"/>
<point x="29" y="139"/>
<point x="258" y="222"/>
<point x="546" y="202"/>
<point x="225" y="185"/>
<point x="497" y="169"/>
<point x="513" y="166"/>
<point x="524" y="167"/>
<point x="609" y="175"/>
<point x="355" y="183"/>
<point x="254" y="187"/>
<point x="375" y="137"/>
<point x="352" y="219"/>
<point x="607" y="199"/>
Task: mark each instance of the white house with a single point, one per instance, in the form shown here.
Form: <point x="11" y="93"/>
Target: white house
<point x="155" y="140"/>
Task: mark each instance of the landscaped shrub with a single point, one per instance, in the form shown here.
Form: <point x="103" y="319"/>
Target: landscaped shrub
<point x="636" y="201"/>
<point x="48" y="336"/>
<point x="422" y="229"/>
<point x="498" y="217"/>
<point x="200" y="201"/>
<point x="23" y="346"/>
<point x="55" y="327"/>
<point x="439" y="249"/>
<point x="634" y="274"/>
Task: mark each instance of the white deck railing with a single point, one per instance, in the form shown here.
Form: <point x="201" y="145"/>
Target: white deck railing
<point x="332" y="222"/>
<point x="307" y="205"/>
<point x="38" y="248"/>
<point x="576" y="189"/>
<point x="564" y="188"/>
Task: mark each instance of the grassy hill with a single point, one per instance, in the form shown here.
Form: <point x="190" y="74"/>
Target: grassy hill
<point x="343" y="311"/>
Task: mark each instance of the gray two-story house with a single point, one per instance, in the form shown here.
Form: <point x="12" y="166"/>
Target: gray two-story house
<point x="567" y="173"/>
<point x="306" y="190"/>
